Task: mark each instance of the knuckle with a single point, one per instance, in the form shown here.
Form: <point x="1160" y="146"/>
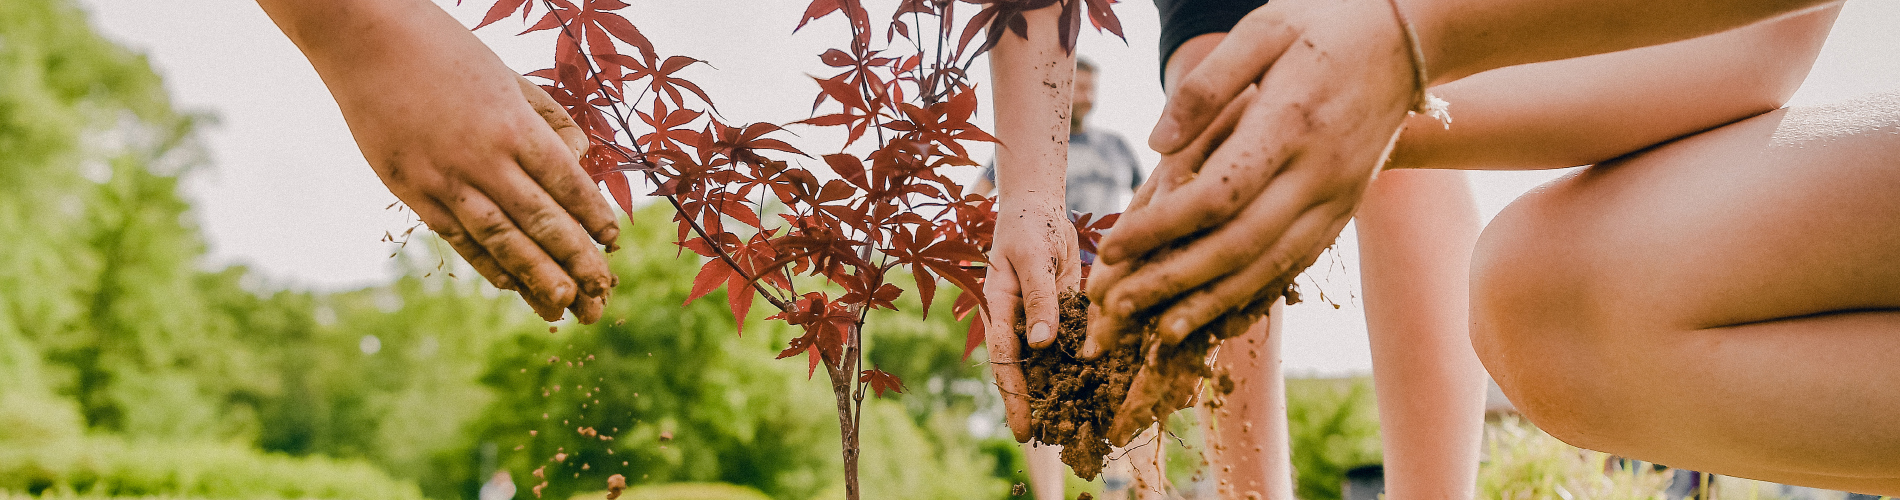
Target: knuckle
<point x="451" y="233"/>
<point x="1038" y="298"/>
<point x="1202" y="209"/>
<point x="544" y="223"/>
<point x="1194" y="99"/>
<point x="491" y="230"/>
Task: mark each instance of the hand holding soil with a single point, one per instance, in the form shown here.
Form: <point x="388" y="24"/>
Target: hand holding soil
<point x="1244" y="216"/>
<point x="1035" y="256"/>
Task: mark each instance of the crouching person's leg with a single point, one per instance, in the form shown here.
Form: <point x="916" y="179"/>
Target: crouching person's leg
<point x="1728" y="302"/>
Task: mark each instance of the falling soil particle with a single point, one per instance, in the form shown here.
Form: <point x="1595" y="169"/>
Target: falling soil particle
<point x="1018" y="490"/>
<point x="560" y="457"/>
<point x="1085" y="496"/>
<point x="615" y="483"/>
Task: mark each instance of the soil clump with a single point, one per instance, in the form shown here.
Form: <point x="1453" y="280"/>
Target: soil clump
<point x="1090" y="406"/>
<point x="1072" y="402"/>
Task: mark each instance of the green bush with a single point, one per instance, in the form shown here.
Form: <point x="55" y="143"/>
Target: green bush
<point x="679" y="491"/>
<point x="100" y="466"/>
<point x="1334" y="426"/>
<point x="685" y="398"/>
<point x="1523" y="463"/>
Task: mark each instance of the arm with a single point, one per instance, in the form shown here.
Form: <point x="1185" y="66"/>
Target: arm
<point x="1416" y="233"/>
<point x="1335" y="81"/>
<point x="444" y="124"/>
<point x="1034" y="256"/>
<point x="1460" y="38"/>
<point x="1586" y="110"/>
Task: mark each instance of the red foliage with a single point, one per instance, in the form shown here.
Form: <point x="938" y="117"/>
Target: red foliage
<point x="868" y="215"/>
<point x="886" y="210"/>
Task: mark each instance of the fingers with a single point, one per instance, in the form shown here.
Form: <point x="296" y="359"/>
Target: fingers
<point x="544" y="284"/>
<point x="1105" y="330"/>
<point x="1040" y="305"/>
<point x="551" y="227"/>
<point x="1275" y="268"/>
<point x="1253" y="46"/>
<point x="558" y="170"/>
<point x="1242" y="240"/>
<point x="1175" y="171"/>
<point x="1005" y="349"/>
<point x="445" y="225"/>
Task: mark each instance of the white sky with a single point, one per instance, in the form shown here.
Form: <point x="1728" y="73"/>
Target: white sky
<point x="291" y="196"/>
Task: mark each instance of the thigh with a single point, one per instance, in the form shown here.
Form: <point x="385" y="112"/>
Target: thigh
<point x="1791" y="213"/>
<point x="1728" y="300"/>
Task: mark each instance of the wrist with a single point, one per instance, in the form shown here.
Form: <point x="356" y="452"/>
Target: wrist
<point x="339" y="35"/>
<point x="1448" y="48"/>
<point x="1429" y="24"/>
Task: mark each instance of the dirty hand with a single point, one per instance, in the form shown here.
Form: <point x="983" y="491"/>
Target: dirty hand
<point x="1174" y="171"/>
<point x="1033" y="258"/>
<point x="1335" y="79"/>
<point x="445" y="125"/>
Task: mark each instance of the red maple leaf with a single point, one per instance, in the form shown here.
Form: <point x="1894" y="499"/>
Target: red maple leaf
<point x="881" y="381"/>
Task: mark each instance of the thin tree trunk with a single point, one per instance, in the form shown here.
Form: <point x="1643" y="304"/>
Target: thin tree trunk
<point x="842" y="383"/>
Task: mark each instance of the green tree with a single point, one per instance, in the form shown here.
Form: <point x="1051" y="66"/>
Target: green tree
<point x="63" y="90"/>
<point x="661" y="391"/>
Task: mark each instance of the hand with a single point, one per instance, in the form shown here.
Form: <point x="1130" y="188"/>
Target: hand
<point x="1334" y="82"/>
<point x="445" y="125"/>
<point x="1034" y="256"/>
<point x="1175" y="170"/>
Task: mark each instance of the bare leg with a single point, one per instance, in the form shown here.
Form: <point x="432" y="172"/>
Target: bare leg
<point x="1046" y="470"/>
<point x="1729" y="302"/>
<point x="1416" y="231"/>
<point x="1248" y="445"/>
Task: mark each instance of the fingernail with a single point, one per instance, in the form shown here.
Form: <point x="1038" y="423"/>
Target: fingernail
<point x="559" y="295"/>
<point x="1090" y="351"/>
<point x="595" y="287"/>
<point x="609" y="237"/>
<point x="1164" y="134"/>
<point x="1040" y="333"/>
<point x="1125" y="307"/>
<point x="506" y="283"/>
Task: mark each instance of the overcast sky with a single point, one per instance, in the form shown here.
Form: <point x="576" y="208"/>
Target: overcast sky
<point x="291" y="196"/>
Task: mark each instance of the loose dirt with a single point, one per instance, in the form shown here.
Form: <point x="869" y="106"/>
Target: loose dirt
<point x="1072" y="402"/>
<point x="1089" y="406"/>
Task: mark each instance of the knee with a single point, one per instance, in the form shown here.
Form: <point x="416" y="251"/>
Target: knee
<point x="1532" y="321"/>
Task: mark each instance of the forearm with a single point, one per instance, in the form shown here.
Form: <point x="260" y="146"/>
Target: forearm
<point x="1416" y="233"/>
<point x="351" y="38"/>
<point x="1586" y="110"/>
<point x="1030" y="82"/>
<point x="1460" y="38"/>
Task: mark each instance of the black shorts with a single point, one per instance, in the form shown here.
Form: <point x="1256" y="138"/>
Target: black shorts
<point x="1185" y="19"/>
